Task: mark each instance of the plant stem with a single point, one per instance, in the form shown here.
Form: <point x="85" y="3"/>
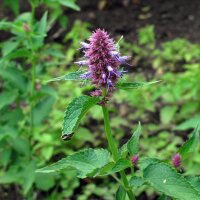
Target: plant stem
<point x="33" y="93"/>
<point x="33" y="72"/>
<point x="111" y="142"/>
<point x="113" y="148"/>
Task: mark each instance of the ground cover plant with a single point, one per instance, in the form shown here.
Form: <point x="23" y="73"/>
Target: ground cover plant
<point x="43" y="44"/>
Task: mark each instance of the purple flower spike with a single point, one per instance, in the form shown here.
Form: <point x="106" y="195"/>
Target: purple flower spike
<point x="134" y="159"/>
<point x="82" y="62"/>
<point x="123" y="59"/>
<point x="103" y="61"/>
<point x="176" y="160"/>
<point x="86" y="75"/>
<point x="85" y="45"/>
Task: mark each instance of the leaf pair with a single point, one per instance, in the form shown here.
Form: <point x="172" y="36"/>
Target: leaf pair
<point x="120" y="85"/>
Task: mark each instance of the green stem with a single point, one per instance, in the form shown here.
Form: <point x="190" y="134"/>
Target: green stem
<point x="113" y="148"/>
<point x="111" y="142"/>
<point x="33" y="71"/>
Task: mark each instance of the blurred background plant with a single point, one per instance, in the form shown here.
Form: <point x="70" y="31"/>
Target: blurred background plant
<point x="41" y="44"/>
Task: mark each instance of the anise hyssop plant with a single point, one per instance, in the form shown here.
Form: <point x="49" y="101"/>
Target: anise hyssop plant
<point x="104" y="65"/>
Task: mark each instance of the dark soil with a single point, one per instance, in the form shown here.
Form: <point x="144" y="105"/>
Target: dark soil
<point x="171" y="19"/>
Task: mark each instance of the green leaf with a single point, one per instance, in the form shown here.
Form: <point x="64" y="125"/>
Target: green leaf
<point x="147" y="35"/>
<point x="7" y="98"/>
<point x="40" y="31"/>
<point x="121" y="193"/>
<point x="145" y="162"/>
<point x="112" y="167"/>
<point x="117" y="44"/>
<point x="70" y="4"/>
<point x="42" y="109"/>
<point x="71" y="76"/>
<point x="188" y="124"/>
<point x="44" y="181"/>
<point x="15" y="76"/>
<point x="194" y="181"/>
<point x="28" y="176"/>
<point x="5" y="156"/>
<point x="136" y="181"/>
<point x="120" y="165"/>
<point x="163" y="197"/>
<point x="21" y="145"/>
<point x="166" y="180"/>
<point x="190" y="145"/>
<point x="133" y="143"/>
<point x="9" y="46"/>
<point x="132" y="146"/>
<point x="133" y="85"/>
<point x="86" y="162"/>
<point x="167" y="113"/>
<point x="42" y="25"/>
<point x="74" y="113"/>
<point x="19" y="53"/>
<point x="123" y="151"/>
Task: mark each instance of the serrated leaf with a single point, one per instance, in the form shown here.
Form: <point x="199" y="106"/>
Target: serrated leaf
<point x="123" y="151"/>
<point x="133" y="85"/>
<point x="74" y="113"/>
<point x="145" y="162"/>
<point x="120" y="194"/>
<point x="86" y="162"/>
<point x="194" y="181"/>
<point x="70" y="4"/>
<point x="166" y="180"/>
<point x="133" y="143"/>
<point x="190" y="145"/>
<point x="70" y="77"/>
<point x="136" y="181"/>
<point x="120" y="165"/>
<point x="112" y="167"/>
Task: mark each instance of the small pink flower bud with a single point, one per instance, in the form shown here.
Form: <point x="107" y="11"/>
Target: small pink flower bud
<point x="38" y="86"/>
<point x="26" y="27"/>
<point x="134" y="159"/>
<point x="176" y="160"/>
